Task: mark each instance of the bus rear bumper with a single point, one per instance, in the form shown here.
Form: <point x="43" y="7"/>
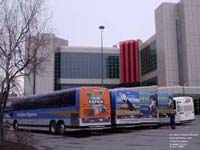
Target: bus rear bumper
<point x="187" y="121"/>
<point x="90" y="128"/>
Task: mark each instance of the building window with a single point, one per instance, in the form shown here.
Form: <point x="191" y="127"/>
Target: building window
<point x="57" y="70"/>
<point x="69" y="65"/>
<point x="112" y="67"/>
<point x="148" y="58"/>
<point x="150" y="82"/>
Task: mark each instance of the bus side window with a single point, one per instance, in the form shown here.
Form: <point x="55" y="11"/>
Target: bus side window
<point x="64" y="99"/>
<point x="156" y="96"/>
<point x="69" y="98"/>
<point x="10" y="113"/>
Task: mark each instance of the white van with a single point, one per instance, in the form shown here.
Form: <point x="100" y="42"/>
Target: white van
<point x="184" y="109"/>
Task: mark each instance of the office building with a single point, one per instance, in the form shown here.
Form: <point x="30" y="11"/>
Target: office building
<point x="73" y="66"/>
<point x="82" y="66"/>
<point x="169" y="60"/>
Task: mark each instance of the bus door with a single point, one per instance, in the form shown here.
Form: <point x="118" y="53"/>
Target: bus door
<point x="94" y="107"/>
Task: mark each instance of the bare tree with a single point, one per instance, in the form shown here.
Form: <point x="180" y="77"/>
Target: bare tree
<point x="1" y="2"/>
<point x="21" y="26"/>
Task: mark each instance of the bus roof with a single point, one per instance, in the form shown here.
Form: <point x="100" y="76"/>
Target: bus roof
<point x="123" y="89"/>
<point x="182" y="98"/>
<point x="52" y="93"/>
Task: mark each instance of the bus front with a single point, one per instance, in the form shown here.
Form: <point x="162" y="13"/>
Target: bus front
<point x="94" y="108"/>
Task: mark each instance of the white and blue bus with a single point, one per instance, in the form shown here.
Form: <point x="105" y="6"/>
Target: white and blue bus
<point x="58" y="111"/>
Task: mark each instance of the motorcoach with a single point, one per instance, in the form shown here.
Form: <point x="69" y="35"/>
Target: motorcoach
<point x="78" y="108"/>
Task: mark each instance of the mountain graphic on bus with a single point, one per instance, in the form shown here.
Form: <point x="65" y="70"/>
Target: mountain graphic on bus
<point x="96" y="102"/>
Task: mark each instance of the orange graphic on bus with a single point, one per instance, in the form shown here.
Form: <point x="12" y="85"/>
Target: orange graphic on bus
<point x="94" y="102"/>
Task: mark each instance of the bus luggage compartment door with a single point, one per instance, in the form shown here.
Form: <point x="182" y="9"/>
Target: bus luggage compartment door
<point x="75" y="120"/>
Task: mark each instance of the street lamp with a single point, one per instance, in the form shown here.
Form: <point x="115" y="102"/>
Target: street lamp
<point x="101" y="29"/>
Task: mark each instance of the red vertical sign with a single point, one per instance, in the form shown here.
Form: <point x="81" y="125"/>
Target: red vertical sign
<point x="122" y="69"/>
<point x="127" y="62"/>
<point x="132" y="68"/>
<point x="137" y="61"/>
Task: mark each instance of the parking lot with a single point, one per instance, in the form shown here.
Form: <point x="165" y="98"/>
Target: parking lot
<point x="184" y="137"/>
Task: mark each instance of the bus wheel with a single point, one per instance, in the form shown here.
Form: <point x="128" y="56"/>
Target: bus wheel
<point x="61" y="128"/>
<point x="52" y="127"/>
<point x="158" y="125"/>
<point x="15" y="125"/>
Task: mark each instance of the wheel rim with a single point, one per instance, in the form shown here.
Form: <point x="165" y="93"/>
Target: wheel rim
<point x="62" y="129"/>
<point x="15" y="125"/>
<point x="53" y="127"/>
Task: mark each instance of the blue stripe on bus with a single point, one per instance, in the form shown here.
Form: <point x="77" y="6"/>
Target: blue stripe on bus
<point x="47" y="113"/>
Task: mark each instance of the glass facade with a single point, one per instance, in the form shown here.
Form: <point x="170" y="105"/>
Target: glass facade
<point x="148" y="58"/>
<point x="57" y="70"/>
<point x="80" y="65"/>
<point x="150" y="82"/>
<point x="112" y="67"/>
<point x="197" y="106"/>
<point x="73" y="65"/>
<point x="86" y="65"/>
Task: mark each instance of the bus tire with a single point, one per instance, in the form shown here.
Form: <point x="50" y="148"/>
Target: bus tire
<point x="158" y="126"/>
<point x="61" y="128"/>
<point x="52" y="127"/>
<point x="15" y="125"/>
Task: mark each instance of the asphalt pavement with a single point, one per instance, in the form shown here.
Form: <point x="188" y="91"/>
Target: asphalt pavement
<point x="184" y="137"/>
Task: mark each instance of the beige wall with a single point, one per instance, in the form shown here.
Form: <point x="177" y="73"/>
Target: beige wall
<point x="89" y="81"/>
<point x="82" y="49"/>
<point x="189" y="11"/>
<point x="44" y="80"/>
<point x="169" y="89"/>
<point x="167" y="62"/>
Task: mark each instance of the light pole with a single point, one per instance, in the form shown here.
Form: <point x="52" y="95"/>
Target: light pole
<point x="101" y="29"/>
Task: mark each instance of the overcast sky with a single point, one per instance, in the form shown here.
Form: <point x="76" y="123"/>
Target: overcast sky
<point x="78" y="20"/>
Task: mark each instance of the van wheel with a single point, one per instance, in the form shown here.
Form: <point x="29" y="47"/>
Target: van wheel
<point x="61" y="128"/>
<point x="15" y="125"/>
<point x="52" y="127"/>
